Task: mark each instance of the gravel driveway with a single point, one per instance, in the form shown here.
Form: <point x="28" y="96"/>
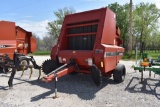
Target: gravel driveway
<point x="80" y="91"/>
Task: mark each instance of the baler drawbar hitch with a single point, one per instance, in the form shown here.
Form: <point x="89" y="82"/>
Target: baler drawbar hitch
<point x="59" y="72"/>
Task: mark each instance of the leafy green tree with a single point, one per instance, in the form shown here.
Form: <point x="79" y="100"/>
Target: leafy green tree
<point x="55" y="26"/>
<point x="145" y="22"/>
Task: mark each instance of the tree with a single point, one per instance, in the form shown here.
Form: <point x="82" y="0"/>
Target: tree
<point x="48" y="42"/>
<point x="145" y="22"/>
<point x="55" y="26"/>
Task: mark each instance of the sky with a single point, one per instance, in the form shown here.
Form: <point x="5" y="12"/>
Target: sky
<point x="33" y="15"/>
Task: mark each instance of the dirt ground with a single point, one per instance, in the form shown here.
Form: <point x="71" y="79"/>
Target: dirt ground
<point x="80" y="91"/>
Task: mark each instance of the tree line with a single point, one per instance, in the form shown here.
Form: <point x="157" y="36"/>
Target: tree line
<point x="146" y="30"/>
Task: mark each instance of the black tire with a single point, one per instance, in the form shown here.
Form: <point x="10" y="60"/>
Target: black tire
<point x="25" y="62"/>
<point x="96" y="75"/>
<point x="49" y="65"/>
<point x="119" y="73"/>
<point x="73" y="73"/>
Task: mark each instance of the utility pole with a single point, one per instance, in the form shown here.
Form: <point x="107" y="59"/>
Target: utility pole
<point x="130" y="42"/>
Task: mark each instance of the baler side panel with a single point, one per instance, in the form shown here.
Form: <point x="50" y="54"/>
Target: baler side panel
<point x="7" y="38"/>
<point x="109" y="29"/>
<point x="7" y="30"/>
<point x="21" y="36"/>
<point x="7" y="47"/>
<point x="110" y="58"/>
<point x="54" y="53"/>
<point x="120" y="53"/>
<point x="32" y="45"/>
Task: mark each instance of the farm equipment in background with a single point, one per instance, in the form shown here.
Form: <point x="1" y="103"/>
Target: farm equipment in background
<point x="89" y="42"/>
<point x="148" y="64"/>
<point x="15" y="41"/>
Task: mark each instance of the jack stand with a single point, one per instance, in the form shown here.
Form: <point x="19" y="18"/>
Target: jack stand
<point x="154" y="75"/>
<point x="30" y="73"/>
<point x="56" y="79"/>
<point x="149" y="74"/>
<point x="141" y="76"/>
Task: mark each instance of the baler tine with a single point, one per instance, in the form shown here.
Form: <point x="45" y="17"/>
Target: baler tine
<point x="17" y="64"/>
<point x="59" y="72"/>
<point x="35" y="66"/>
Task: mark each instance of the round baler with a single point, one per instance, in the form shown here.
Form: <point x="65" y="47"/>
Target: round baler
<point x="89" y="42"/>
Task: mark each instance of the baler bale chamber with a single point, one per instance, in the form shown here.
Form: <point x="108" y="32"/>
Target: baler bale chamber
<point x="91" y="41"/>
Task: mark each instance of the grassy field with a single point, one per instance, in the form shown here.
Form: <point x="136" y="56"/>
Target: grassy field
<point x="152" y="54"/>
<point x="41" y="53"/>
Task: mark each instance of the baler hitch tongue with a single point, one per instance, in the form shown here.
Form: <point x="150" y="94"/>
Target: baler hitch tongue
<point x="59" y="72"/>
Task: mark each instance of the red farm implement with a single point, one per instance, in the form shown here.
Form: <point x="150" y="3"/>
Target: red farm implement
<point x="89" y="42"/>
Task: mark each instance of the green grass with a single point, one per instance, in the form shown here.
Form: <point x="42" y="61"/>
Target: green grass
<point x="41" y="53"/>
<point x="154" y="55"/>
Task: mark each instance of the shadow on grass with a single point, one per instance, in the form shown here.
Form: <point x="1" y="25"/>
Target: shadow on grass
<point x="148" y="86"/>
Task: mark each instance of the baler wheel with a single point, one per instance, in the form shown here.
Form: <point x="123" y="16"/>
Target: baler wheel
<point x="119" y="73"/>
<point x="96" y="75"/>
<point x="48" y="66"/>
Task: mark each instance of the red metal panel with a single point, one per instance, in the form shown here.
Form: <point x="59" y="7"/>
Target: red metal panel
<point x="84" y="16"/>
<point x="120" y="50"/>
<point x="109" y="28"/>
<point x="20" y="34"/>
<point x="33" y="45"/>
<point x="54" y="53"/>
<point x="7" y="30"/>
<point x="8" y="47"/>
<point x="80" y="25"/>
<point x="79" y="56"/>
<point x="110" y="62"/>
